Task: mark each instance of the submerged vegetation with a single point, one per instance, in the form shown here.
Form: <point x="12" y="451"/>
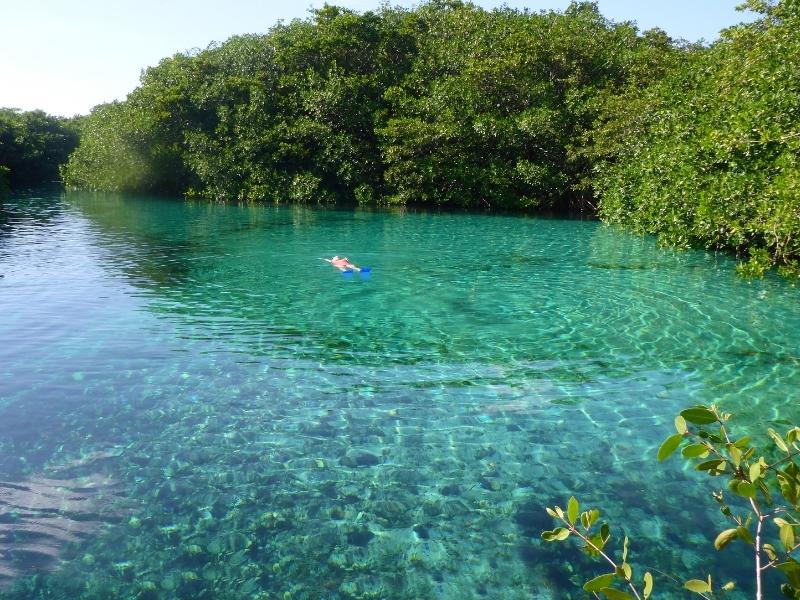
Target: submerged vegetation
<point x="450" y="104"/>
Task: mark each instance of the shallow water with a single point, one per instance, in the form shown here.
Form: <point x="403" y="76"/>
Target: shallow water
<point x="194" y="405"/>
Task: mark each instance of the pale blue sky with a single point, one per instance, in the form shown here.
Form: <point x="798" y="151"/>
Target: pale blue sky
<point x="65" y="56"/>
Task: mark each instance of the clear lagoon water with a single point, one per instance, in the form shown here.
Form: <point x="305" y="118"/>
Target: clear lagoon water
<point x="194" y="405"/>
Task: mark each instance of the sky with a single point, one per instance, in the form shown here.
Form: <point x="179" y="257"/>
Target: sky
<point x="66" y="56"/>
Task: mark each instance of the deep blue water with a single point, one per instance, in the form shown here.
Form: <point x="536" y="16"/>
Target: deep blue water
<point x="194" y="405"/>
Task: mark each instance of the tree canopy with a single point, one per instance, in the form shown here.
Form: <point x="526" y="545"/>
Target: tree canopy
<point x="32" y="146"/>
<point x="451" y="104"/>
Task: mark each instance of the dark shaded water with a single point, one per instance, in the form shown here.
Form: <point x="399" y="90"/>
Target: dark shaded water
<point x="194" y="405"/>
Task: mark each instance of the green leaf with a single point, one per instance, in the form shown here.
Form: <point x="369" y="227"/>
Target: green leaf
<point x="787" y="536"/>
<point x="699" y="415"/>
<point x="556" y="535"/>
<point x="599" y="582"/>
<point x="551" y="512"/>
<point x="744" y="535"/>
<point x="589" y="517"/>
<point x="605" y="532"/>
<point x="613" y="594"/>
<point x="625" y="549"/>
<point x="793" y="434"/>
<point x="669" y="446"/>
<point x="714" y="467"/>
<point x="735" y="454"/>
<point x="742" y="443"/>
<point x="725" y="538"/>
<point x="572" y="510"/>
<point x="770" y="550"/>
<point x="755" y="472"/>
<point x="791" y="569"/>
<point x="594" y="514"/>
<point x="648" y="585"/>
<point x="729" y="586"/>
<point x="680" y="425"/>
<point x="695" y="451"/>
<point x="745" y="489"/>
<point x="697" y="586"/>
<point x="778" y="440"/>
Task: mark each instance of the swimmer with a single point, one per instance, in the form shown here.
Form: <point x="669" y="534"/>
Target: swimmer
<point x="342" y="263"/>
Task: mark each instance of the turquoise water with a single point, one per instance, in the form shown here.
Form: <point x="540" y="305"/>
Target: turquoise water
<point x="194" y="405"/>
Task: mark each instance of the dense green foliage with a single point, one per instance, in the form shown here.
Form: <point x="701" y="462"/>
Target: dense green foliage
<point x="710" y="156"/>
<point x="445" y="104"/>
<point x="32" y="146"/>
<point x="452" y="104"/>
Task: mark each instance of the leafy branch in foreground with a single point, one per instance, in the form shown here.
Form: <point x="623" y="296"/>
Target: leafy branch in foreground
<point x="767" y="525"/>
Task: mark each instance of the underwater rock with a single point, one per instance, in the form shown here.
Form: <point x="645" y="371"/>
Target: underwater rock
<point x="450" y="490"/>
<point x="489" y="484"/>
<point x="272" y="520"/>
<point x="349" y="494"/>
<point x="359" y="458"/>
<point x="485" y="452"/>
<point x="390" y="510"/>
<point x="422" y="531"/>
<point x="359" y="536"/>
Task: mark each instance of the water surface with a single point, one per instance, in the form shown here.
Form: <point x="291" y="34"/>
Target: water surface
<point x="194" y="405"/>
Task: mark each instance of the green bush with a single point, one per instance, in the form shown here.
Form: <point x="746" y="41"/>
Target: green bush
<point x="761" y="500"/>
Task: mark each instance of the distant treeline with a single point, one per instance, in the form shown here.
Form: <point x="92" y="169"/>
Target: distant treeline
<point x="32" y="147"/>
<point x="450" y="104"/>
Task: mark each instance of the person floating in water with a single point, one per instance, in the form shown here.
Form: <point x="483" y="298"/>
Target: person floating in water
<point x="343" y="263"/>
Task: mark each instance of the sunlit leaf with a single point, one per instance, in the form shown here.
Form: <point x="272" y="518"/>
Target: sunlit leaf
<point x="725" y="537"/>
<point x="572" y="510"/>
<point x="556" y="535"/>
<point x="599" y="582"/>
<point x="669" y="446"/>
<point x="698" y="586"/>
<point x="745" y="489"/>
<point x="680" y="425"/>
<point x="770" y="551"/>
<point x="778" y="440"/>
<point x="699" y="415"/>
<point x="695" y="451"/>
<point x="648" y="585"/>
<point x="735" y="454"/>
<point x="714" y="467"/>
<point x="786" y="533"/>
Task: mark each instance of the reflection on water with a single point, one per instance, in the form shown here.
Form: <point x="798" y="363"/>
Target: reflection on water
<point x="193" y="405"/>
